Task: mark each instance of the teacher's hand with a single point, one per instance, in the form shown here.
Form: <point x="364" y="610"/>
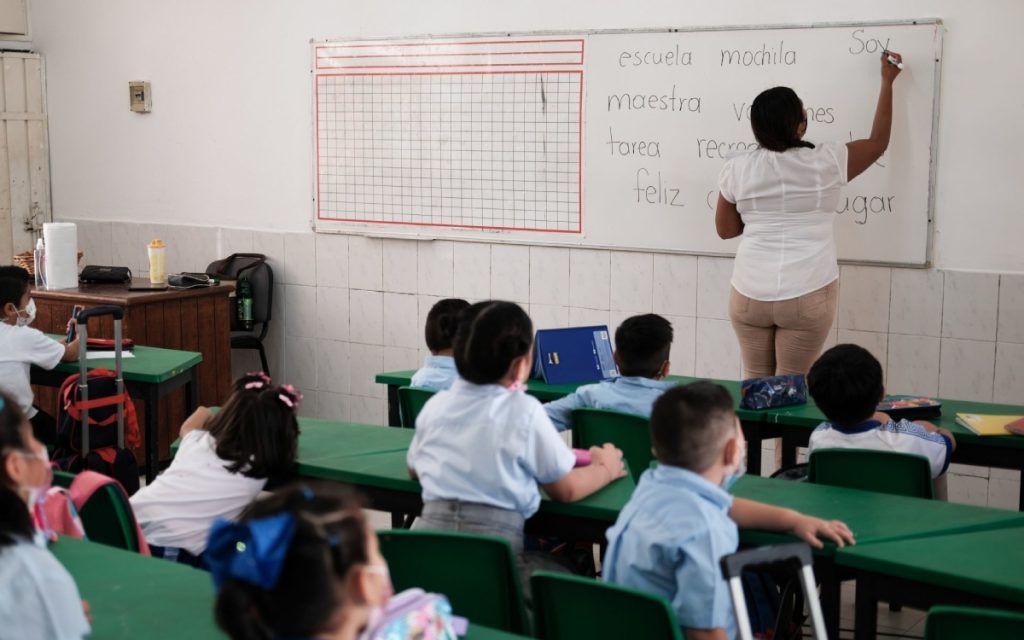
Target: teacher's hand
<point x="890" y="70"/>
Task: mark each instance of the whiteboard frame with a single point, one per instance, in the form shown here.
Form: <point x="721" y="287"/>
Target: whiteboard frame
<point x="499" y="237"/>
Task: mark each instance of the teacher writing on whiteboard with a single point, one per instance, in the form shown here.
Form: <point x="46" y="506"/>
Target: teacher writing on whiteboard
<point x="781" y="198"/>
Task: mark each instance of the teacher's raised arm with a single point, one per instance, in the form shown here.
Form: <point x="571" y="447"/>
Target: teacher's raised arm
<point x="865" y="151"/>
<point x="780" y="199"/>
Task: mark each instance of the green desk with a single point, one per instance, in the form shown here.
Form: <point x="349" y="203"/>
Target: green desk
<point x="873" y="518"/>
<point x="979" y="569"/>
<point x="150" y="375"/>
<point x="755" y="427"/>
<point x="1006" y="452"/>
<point x="133" y="596"/>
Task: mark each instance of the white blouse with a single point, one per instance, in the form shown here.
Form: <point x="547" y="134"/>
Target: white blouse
<point x="787" y="202"/>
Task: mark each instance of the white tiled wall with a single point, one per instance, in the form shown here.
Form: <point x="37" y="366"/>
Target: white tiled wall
<point x="347" y="307"/>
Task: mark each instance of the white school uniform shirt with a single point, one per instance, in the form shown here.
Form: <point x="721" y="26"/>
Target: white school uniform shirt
<point x="903" y="436"/>
<point x="177" y="509"/>
<point x="787" y="202"/>
<point x="487" y="445"/>
<point x="20" y="348"/>
<point x="437" y="372"/>
<point x="38" y="597"/>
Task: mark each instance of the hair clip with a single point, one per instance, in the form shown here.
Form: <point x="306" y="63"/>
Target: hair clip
<point x="252" y="552"/>
<point x="263" y="380"/>
<point x="307" y="493"/>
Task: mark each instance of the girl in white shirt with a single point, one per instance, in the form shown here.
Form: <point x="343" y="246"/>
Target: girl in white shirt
<point x="222" y="463"/>
<point x="782" y="199"/>
<point x="38" y="598"/>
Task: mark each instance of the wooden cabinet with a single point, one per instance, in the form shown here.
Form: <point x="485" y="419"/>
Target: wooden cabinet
<point x="189" y="319"/>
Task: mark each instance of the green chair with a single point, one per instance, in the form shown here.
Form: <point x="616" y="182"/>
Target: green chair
<point x="477" y="573"/>
<point x="107" y="515"/>
<point x="568" y="607"/>
<point x="963" y="623"/>
<point x="410" y="401"/>
<point x="631" y="433"/>
<point x="901" y="474"/>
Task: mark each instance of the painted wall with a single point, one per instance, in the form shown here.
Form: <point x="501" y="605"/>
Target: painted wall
<point x="229" y="139"/>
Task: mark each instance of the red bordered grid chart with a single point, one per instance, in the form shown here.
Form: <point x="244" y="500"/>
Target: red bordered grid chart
<point x="474" y="134"/>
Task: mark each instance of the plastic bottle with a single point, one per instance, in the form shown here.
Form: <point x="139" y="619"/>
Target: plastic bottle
<point x="39" y="263"/>
<point x="245" y="302"/>
<point x="157" y="261"/>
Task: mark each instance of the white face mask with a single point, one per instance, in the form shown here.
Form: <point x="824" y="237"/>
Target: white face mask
<point x="30" y="314"/>
<point x="36" y="493"/>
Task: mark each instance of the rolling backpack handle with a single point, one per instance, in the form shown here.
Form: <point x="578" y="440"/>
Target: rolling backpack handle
<point x="83" y="370"/>
<point x="734" y="564"/>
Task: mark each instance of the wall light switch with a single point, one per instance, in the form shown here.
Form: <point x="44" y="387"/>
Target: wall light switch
<point x="141" y="99"/>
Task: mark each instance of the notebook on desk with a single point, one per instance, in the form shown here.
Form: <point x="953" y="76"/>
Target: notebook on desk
<point x="575" y="354"/>
<point x="990" y="425"/>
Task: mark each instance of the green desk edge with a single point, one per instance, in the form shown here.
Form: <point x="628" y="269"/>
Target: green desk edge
<point x="150" y="364"/>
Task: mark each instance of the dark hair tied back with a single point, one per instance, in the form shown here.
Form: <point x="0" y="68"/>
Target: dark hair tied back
<point x="491" y="335"/>
<point x="775" y="115"/>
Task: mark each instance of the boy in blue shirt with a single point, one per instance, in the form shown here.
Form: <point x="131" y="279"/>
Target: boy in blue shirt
<point x="642" y="345"/>
<point x="681" y="520"/>
<point x="438" y="370"/>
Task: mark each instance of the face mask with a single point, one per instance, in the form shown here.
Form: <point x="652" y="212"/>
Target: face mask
<point x="30" y="314"/>
<point x="377" y="610"/>
<point x="36" y="493"/>
<point x="731" y="478"/>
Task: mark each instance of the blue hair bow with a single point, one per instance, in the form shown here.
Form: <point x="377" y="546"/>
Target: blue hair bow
<point x="251" y="551"/>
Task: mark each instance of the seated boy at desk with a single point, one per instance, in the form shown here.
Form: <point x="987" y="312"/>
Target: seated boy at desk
<point x="642" y="345"/>
<point x="681" y="520"/>
<point x="22" y="346"/>
<point x="846" y="383"/>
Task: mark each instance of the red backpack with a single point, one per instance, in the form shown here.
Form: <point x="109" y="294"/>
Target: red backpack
<point x="103" y="454"/>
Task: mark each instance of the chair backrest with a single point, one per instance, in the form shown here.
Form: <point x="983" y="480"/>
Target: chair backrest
<point x="901" y="474"/>
<point x="108" y="518"/>
<point x="964" y="623"/>
<point x="261" y="277"/>
<point x="632" y="434"/>
<point x="410" y="401"/>
<point x="567" y="607"/>
<point x="477" y="573"/>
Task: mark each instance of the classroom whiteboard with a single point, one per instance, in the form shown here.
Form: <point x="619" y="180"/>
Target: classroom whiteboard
<point x="610" y="139"/>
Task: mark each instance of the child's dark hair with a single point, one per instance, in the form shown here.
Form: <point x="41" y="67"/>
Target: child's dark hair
<point x="256" y="429"/>
<point x="442" y="323"/>
<point x="15" y="521"/>
<point x="775" y="115"/>
<point x="490" y="336"/>
<point x="330" y="540"/>
<point x="642" y="345"/>
<point x="690" y="425"/>
<point x="846" y="384"/>
<point x="14" y="283"/>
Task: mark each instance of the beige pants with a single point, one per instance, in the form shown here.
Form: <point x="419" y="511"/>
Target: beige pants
<point x="784" y="336"/>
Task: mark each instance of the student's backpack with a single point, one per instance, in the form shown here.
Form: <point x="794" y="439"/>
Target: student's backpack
<point x="113" y="428"/>
<point x="415" y="613"/>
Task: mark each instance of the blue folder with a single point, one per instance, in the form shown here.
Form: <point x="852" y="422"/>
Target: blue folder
<point x="573" y="355"/>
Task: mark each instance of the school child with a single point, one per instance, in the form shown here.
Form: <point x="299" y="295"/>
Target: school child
<point x="642" y="345"/>
<point x="22" y="346"/>
<point x="38" y="598"/>
<point x="846" y="384"/>
<point x="223" y="462"/>
<point x="438" y="370"/>
<point x="681" y="519"/>
<point x="482" y="447"/>
<point x="300" y="563"/>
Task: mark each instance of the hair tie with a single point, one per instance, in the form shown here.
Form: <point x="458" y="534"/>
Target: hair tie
<point x="255" y="384"/>
<point x="263" y="380"/>
<point x="252" y="552"/>
<point x="289" y="396"/>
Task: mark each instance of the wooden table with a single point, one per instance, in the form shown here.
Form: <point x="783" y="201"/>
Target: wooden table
<point x="181" y="319"/>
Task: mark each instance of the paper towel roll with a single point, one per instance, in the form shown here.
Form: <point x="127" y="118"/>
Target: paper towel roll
<point x="61" y="239"/>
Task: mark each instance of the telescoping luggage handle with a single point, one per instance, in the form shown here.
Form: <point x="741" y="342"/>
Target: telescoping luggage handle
<point x="734" y="564"/>
<point x="83" y="370"/>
